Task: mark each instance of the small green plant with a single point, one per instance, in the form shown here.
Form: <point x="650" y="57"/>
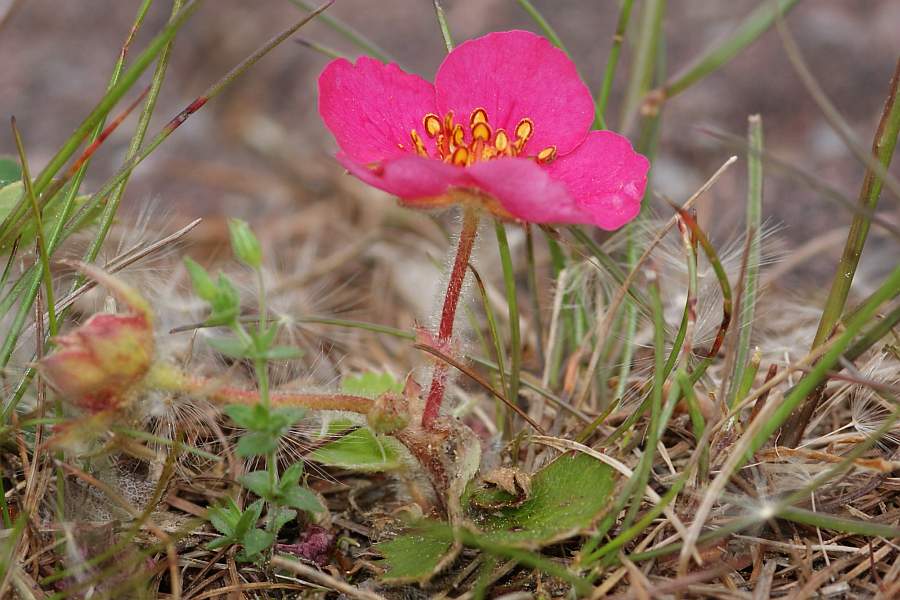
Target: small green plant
<point x="265" y="425"/>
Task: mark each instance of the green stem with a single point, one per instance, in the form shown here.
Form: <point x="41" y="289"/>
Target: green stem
<point x="612" y="62"/>
<point x="515" y="341"/>
<point x="882" y="151"/>
<point x="442" y="23"/>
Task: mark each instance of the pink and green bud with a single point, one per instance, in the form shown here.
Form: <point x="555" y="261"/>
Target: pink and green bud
<point x="97" y="364"/>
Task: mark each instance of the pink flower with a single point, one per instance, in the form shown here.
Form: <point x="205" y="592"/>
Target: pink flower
<point x="506" y="125"/>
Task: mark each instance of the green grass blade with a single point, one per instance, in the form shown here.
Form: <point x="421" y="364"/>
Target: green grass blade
<point x="753" y="26"/>
<point x="612" y="62"/>
<point x="883" y="146"/>
<point x="349" y="33"/>
<point x="542" y="24"/>
<point x="751" y="277"/>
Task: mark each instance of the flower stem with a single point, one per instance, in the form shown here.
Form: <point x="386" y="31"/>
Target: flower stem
<point x="167" y="377"/>
<point x="448" y="313"/>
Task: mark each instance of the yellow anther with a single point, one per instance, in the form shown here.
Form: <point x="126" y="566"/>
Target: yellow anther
<point x="448" y="121"/>
<point x="460" y="156"/>
<point x="524" y="130"/>
<point x="432" y="125"/>
<point x="501" y="141"/>
<point x="417" y="142"/>
<point x="547" y="155"/>
<point x="479" y="115"/>
<point x="481" y="131"/>
<point x="459" y="136"/>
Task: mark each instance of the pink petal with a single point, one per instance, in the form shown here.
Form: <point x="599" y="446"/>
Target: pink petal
<point x="410" y="177"/>
<point x="371" y="108"/>
<point x="605" y="176"/>
<point x="526" y="191"/>
<point x="514" y="75"/>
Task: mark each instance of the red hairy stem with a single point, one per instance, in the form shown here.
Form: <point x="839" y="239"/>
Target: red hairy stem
<point x="164" y="376"/>
<point x="448" y="313"/>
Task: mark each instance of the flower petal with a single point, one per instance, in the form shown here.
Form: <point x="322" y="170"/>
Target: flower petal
<point x="410" y="177"/>
<point x="605" y="176"/>
<point x="371" y="108"/>
<point x="514" y="75"/>
<point x="526" y="191"/>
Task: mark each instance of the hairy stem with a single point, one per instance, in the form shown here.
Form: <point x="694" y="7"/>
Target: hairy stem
<point x="166" y="377"/>
<point x="448" y="313"/>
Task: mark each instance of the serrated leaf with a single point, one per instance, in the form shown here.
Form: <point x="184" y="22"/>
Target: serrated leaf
<point x="281" y="517"/>
<point x="303" y="499"/>
<point x="248" y="519"/>
<point x="567" y="496"/>
<point x="415" y="556"/>
<point x="254" y="542"/>
<point x="9" y="170"/>
<point x="257" y="482"/>
<point x="371" y="384"/>
<point x="361" y="450"/>
<point x="223" y="519"/>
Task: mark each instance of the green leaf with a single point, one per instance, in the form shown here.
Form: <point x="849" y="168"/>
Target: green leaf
<point x="230" y="347"/>
<point x="303" y="499"/>
<point x="282" y="353"/>
<point x="567" y="496"/>
<point x="291" y="476"/>
<point x="415" y="556"/>
<point x="361" y="450"/>
<point x="281" y="517"/>
<point x="259" y="483"/>
<point x="256" y="443"/>
<point x="220" y="542"/>
<point x="244" y="244"/>
<point x="248" y="519"/>
<point x="254" y="543"/>
<point x="9" y="170"/>
<point x="246" y="416"/>
<point x="371" y="384"/>
<point x="203" y="284"/>
<point x="283" y="418"/>
<point x="224" y="518"/>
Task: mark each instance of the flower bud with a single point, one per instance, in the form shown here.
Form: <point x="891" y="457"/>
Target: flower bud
<point x="95" y="365"/>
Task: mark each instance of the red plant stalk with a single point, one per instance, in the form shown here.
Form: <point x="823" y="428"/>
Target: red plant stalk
<point x="448" y="314"/>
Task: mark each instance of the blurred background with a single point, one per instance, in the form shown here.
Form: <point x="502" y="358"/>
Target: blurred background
<point x="260" y="152"/>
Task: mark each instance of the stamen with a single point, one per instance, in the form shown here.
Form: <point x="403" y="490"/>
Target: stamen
<point x="547" y="155"/>
<point x="479" y="115"/>
<point x="459" y="136"/>
<point x="460" y="157"/>
<point x="481" y="131"/>
<point x="417" y="142"/>
<point x="448" y="121"/>
<point x="501" y="141"/>
<point x="524" y="130"/>
<point x="432" y="125"/>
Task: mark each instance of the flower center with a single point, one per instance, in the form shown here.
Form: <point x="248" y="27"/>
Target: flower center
<point x="483" y="142"/>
